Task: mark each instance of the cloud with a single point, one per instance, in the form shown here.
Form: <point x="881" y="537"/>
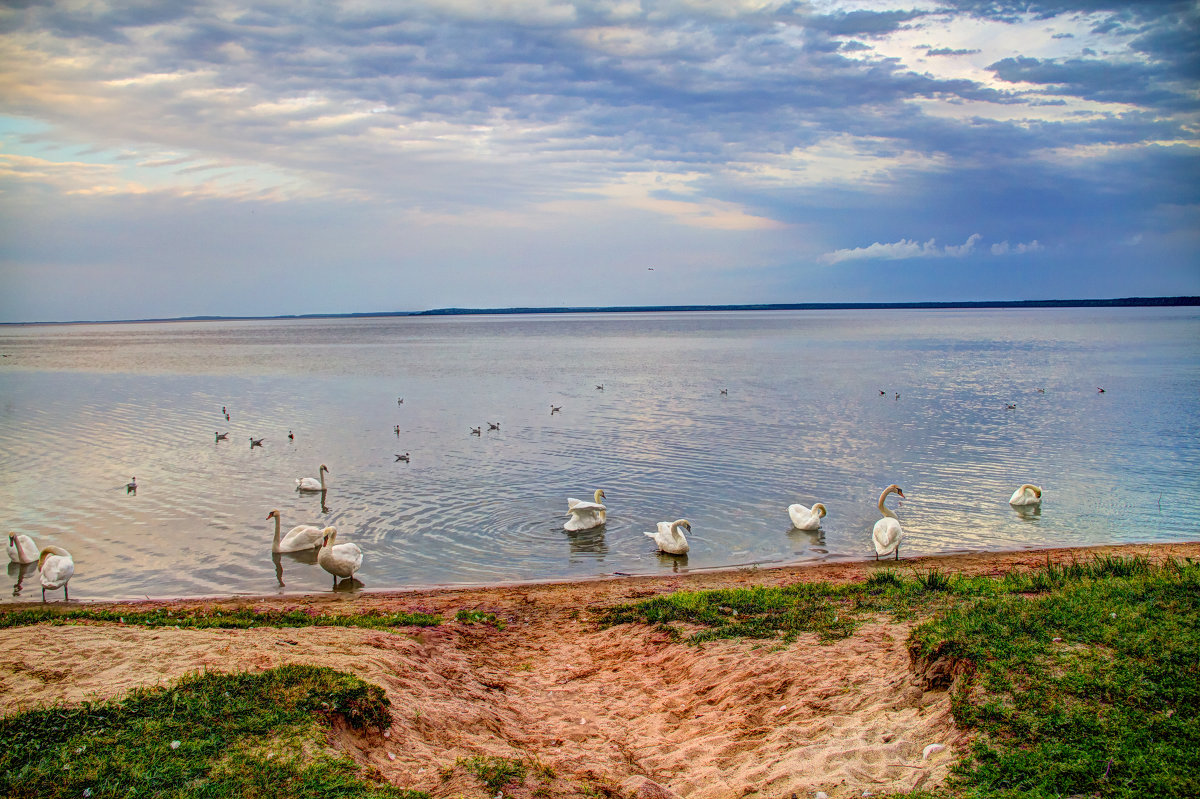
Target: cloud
<point x="902" y="250"/>
<point x="1003" y="248"/>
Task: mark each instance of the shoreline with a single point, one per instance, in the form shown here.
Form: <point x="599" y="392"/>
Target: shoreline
<point x="606" y="708"/>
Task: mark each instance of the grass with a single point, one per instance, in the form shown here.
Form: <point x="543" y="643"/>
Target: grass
<point x="241" y="618"/>
<point x="208" y="735"/>
<point x="1078" y="680"/>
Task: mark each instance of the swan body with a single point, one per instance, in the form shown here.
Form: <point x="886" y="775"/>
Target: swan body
<point x="313" y="483"/>
<point x="55" y="567"/>
<point x="1026" y="495"/>
<point x="340" y="560"/>
<point x="887" y="532"/>
<point x="669" y="537"/>
<point x="21" y="549"/>
<point x="304" y="536"/>
<point x="586" y="515"/>
<point x="806" y="518"/>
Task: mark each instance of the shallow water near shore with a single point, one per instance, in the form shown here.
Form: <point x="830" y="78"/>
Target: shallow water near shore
<point x="85" y="407"/>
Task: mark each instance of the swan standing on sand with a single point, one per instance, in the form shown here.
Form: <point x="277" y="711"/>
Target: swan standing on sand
<point x="299" y="538"/>
<point x="586" y="515"/>
<point x="1027" y="494"/>
<point x="313" y="483"/>
<point x="55" y="567"/>
<point x="887" y="532"/>
<point x="340" y="560"/>
<point x="21" y="549"/>
<point x="806" y="518"/>
<point x="669" y="537"/>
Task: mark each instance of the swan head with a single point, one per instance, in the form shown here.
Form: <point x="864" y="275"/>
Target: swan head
<point x="273" y="514"/>
<point x="684" y="523"/>
<point x="324" y="468"/>
<point x="819" y="509"/>
<point x="894" y="489"/>
<point x="330" y="536"/>
<point x="51" y="550"/>
<point x="1036" y="491"/>
<point x="599" y="495"/>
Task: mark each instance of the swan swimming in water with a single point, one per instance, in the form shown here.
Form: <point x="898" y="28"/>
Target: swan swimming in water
<point x="669" y="537"/>
<point x="586" y="515"/>
<point x="1027" y="494"/>
<point x="887" y="532"/>
<point x="299" y="538"/>
<point x="806" y="518"/>
<point x="313" y="483"/>
<point x="55" y="566"/>
<point x="21" y="549"/>
<point x="340" y="560"/>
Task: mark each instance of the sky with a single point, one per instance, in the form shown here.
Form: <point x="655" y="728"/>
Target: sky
<point x="203" y="157"/>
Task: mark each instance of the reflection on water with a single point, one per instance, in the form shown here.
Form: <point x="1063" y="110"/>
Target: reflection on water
<point x="1030" y="513"/>
<point x="84" y="407"/>
<point x="20" y="572"/>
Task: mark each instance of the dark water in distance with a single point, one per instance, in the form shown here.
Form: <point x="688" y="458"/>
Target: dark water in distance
<point x="84" y="408"/>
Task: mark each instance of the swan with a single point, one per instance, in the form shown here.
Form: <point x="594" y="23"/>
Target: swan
<point x="586" y="515"/>
<point x="669" y="537"/>
<point x="887" y="532"/>
<point x="299" y="538"/>
<point x="1027" y="494"/>
<point x="806" y="518"/>
<point x="340" y="560"/>
<point x="56" y="567"/>
<point x="21" y="549"/>
<point x="313" y="483"/>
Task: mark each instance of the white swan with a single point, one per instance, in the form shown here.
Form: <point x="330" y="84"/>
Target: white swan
<point x="586" y="515"/>
<point x="299" y="538"/>
<point x="1027" y="494"/>
<point x="806" y="518"/>
<point x="313" y="483"/>
<point x="21" y="549"/>
<point x="55" y="567"/>
<point x="887" y="532"/>
<point x="340" y="560"/>
<point x="669" y="537"/>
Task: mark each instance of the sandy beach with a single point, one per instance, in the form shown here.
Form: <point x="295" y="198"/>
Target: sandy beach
<point x="613" y="711"/>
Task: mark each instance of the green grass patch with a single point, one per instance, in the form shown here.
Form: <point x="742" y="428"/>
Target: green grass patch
<point x="479" y="617"/>
<point x="241" y="618"/>
<point x="208" y="735"/>
<point x="1111" y="709"/>
<point x="495" y="773"/>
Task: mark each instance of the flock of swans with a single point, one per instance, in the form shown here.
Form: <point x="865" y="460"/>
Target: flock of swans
<point x="886" y="535"/>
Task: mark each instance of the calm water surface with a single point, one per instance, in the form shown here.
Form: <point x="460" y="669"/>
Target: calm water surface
<point x="84" y="408"/>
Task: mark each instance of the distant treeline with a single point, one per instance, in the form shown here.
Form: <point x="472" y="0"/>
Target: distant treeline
<point x="1122" y="302"/>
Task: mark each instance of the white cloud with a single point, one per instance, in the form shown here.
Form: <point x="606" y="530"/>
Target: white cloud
<point x="1004" y="248"/>
<point x="899" y="250"/>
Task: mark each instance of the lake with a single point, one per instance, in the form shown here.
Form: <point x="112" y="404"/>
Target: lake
<point x="822" y="406"/>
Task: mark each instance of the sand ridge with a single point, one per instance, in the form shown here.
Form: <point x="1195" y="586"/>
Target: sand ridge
<point x="597" y="705"/>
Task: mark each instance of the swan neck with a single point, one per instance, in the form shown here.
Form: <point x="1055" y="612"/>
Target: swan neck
<point x="275" y="543"/>
<point x="883" y="508"/>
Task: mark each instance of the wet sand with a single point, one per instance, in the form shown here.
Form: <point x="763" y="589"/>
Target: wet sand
<point x="605" y="709"/>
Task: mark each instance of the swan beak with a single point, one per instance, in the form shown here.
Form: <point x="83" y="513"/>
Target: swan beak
<point x="269" y="515"/>
<point x="900" y="493"/>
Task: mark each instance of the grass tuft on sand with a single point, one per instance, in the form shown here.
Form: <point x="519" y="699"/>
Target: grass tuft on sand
<point x="208" y="735"/>
<point x="1077" y="680"/>
<point x="239" y="619"/>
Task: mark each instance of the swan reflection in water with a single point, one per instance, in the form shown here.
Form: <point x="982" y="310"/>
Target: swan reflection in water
<point x="677" y="563"/>
<point x="586" y="544"/>
<point x="348" y="585"/>
<point x="307" y="557"/>
<point x="1030" y="513"/>
<point x="19" y="571"/>
<point x="807" y="540"/>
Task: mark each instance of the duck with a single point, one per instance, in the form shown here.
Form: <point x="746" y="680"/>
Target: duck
<point x="340" y="560"/>
<point x="1027" y="494"/>
<point x="555" y="409"/>
<point x="669" y="537"/>
<point x="806" y="518"/>
<point x="475" y="431"/>
<point x="299" y="538"/>
<point x="313" y="483"/>
<point x="403" y="457"/>
<point x="255" y="442"/>
<point x="888" y="532"/>
<point x="21" y="549"/>
<point x="586" y="515"/>
<point x="55" y="566"/>
<point x="221" y="436"/>
<point x="131" y="486"/>
<point x="493" y="425"/>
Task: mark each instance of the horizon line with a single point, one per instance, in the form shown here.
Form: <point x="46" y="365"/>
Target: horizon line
<point x="1118" y="302"/>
